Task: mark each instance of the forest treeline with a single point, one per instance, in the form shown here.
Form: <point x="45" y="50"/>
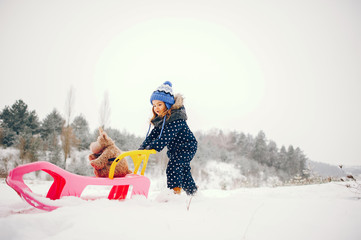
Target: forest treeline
<point x="55" y="138"/>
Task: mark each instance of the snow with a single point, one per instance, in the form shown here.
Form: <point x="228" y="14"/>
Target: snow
<point x="327" y="211"/>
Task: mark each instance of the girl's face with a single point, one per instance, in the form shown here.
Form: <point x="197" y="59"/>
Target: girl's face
<point x="159" y="107"/>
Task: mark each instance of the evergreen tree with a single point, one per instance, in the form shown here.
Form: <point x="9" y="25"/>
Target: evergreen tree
<point x="291" y="165"/>
<point x="272" y="153"/>
<point x="50" y="132"/>
<point x="32" y="123"/>
<point x="301" y="162"/>
<point x="282" y="159"/>
<point x="8" y="136"/>
<point x="245" y="145"/>
<point x="52" y="125"/>
<point x="81" y="131"/>
<point x="20" y="127"/>
<point x="1" y="136"/>
<point x="17" y="119"/>
<point x="259" y="152"/>
<point x="54" y="153"/>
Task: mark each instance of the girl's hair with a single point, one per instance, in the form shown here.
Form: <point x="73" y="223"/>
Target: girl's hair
<point x="167" y="112"/>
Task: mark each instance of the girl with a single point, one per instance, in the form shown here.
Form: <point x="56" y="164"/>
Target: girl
<point x="171" y="130"/>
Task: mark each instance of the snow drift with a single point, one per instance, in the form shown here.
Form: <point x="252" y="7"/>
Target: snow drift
<point x="328" y="211"/>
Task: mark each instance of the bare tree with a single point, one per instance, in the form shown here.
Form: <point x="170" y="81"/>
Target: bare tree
<point x="104" y="111"/>
<point x="68" y="138"/>
<point x="69" y="105"/>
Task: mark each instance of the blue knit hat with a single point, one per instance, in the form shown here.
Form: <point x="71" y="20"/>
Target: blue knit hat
<point x="164" y="93"/>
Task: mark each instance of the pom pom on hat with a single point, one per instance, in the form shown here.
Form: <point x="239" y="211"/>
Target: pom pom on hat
<point x="164" y="93"/>
<point x="168" y="83"/>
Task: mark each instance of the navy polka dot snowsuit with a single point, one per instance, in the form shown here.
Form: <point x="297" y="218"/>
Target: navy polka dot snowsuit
<point x="182" y="146"/>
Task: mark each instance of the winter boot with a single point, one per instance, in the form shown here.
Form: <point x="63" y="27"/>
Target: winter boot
<point x="177" y="190"/>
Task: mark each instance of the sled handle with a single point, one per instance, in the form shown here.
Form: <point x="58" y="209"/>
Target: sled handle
<point x="137" y="156"/>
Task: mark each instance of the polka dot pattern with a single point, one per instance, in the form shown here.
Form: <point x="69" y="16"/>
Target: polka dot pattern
<point x="182" y="146"/>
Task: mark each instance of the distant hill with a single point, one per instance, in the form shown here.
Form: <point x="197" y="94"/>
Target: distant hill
<point x="328" y="170"/>
<point x="354" y="170"/>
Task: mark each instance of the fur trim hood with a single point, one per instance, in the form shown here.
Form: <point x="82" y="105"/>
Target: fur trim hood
<point x="177" y="112"/>
<point x="178" y="102"/>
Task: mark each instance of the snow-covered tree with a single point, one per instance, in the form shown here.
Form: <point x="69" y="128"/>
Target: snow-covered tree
<point x="18" y="119"/>
<point x="282" y="159"/>
<point x="245" y="144"/>
<point x="81" y="131"/>
<point x="51" y="129"/>
<point x="259" y="152"/>
<point x="20" y="128"/>
<point x="52" y="125"/>
<point x="54" y="150"/>
<point x="272" y="153"/>
<point x="301" y="160"/>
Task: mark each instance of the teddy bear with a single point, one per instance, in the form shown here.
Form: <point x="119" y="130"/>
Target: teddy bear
<point x="104" y="152"/>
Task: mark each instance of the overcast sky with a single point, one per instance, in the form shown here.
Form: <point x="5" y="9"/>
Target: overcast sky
<point x="289" y="68"/>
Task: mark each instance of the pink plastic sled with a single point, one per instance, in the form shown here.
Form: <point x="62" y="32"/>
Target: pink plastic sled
<point x="69" y="184"/>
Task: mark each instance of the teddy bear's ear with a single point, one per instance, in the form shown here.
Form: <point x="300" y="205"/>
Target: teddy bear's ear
<point x="104" y="135"/>
<point x="100" y="131"/>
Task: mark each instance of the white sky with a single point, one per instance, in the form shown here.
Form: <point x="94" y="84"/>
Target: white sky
<point x="289" y="68"/>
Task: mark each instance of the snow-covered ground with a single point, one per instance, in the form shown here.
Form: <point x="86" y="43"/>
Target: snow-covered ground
<point x="328" y="211"/>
